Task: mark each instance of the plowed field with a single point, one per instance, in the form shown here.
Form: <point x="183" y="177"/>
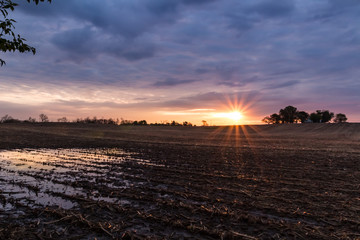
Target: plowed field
<point x="76" y="182"/>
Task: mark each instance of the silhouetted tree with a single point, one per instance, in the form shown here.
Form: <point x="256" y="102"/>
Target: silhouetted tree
<point x="96" y="120"/>
<point x="125" y="122"/>
<point x="340" y="118"/>
<point x="110" y="121"/>
<point x="9" y="41"/>
<point x="275" y="118"/>
<point x="288" y="114"/>
<point x="164" y="122"/>
<point x="272" y="119"/>
<point x="186" y="123"/>
<point x="302" y="116"/>
<point x="174" y="123"/>
<point x="267" y="120"/>
<point x="142" y="122"/>
<point x="6" y="119"/>
<point x="326" y="116"/>
<point x="315" y="117"/>
<point x="204" y="123"/>
<point x="63" y="119"/>
<point x="43" y="118"/>
<point x="32" y="120"/>
<point x="322" y="116"/>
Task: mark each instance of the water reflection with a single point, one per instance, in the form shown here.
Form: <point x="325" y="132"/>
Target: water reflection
<point x="56" y="177"/>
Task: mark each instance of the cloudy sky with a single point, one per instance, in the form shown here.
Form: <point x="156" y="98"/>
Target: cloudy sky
<point x="183" y="59"/>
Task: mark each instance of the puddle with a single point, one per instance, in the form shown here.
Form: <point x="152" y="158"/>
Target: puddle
<point x="6" y="207"/>
<point x="46" y="177"/>
<point x="31" y="198"/>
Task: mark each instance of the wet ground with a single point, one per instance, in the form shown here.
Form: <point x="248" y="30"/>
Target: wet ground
<point x="250" y="189"/>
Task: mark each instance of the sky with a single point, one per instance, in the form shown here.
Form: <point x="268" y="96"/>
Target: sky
<point x="183" y="60"/>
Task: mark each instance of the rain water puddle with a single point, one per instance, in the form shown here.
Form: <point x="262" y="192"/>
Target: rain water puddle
<point x="59" y="177"/>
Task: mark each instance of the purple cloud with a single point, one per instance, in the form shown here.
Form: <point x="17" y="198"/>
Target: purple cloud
<point x="187" y="53"/>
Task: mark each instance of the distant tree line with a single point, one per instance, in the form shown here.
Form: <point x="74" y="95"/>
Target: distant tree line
<point x="290" y="114"/>
<point x="94" y="120"/>
<point x="9" y="119"/>
<point x="110" y="121"/>
<point x="173" y="123"/>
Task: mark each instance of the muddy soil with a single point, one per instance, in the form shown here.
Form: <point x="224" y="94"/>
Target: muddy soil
<point x="177" y="184"/>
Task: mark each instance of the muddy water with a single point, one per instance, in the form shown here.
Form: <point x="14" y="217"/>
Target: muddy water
<point x="48" y="177"/>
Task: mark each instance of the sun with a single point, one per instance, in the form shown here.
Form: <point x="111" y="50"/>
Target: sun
<point x="234" y="111"/>
<point x="235" y="116"/>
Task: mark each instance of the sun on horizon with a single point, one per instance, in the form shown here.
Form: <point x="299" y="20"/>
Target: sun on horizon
<point x="235" y="116"/>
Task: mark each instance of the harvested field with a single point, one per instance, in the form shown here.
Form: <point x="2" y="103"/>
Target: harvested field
<point x="70" y="181"/>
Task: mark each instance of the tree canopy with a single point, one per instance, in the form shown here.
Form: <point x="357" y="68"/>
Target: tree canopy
<point x="340" y="118"/>
<point x="322" y="116"/>
<point x="290" y="114"/>
<point x="9" y="40"/>
<point x="302" y="116"/>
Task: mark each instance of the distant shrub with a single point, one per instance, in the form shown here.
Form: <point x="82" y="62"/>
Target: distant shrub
<point x="63" y="119"/>
<point x="31" y="120"/>
<point x="8" y="119"/>
<point x="43" y="118"/>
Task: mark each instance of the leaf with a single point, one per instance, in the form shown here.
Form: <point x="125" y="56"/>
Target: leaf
<point x="6" y="30"/>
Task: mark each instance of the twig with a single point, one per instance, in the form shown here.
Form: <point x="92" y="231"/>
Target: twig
<point x="106" y="231"/>
<point x="243" y="235"/>
<point x="39" y="236"/>
<point x="55" y="221"/>
<point x="85" y="220"/>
